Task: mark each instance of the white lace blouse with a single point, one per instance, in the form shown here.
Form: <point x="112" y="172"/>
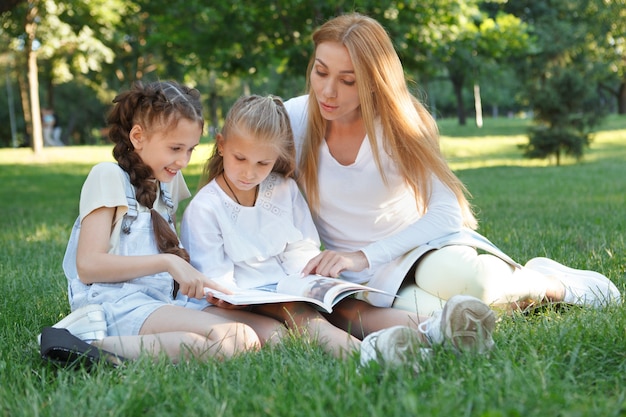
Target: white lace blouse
<point x="250" y="247"/>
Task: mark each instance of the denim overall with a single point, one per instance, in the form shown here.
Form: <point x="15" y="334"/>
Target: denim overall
<point x="126" y="304"/>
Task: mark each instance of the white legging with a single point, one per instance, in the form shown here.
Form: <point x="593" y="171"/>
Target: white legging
<point x="454" y="270"/>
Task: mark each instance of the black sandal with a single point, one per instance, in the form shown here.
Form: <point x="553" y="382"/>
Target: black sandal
<point x="64" y="349"/>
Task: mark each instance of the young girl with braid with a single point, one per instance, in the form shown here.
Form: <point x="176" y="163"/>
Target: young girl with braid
<point x="124" y="262"/>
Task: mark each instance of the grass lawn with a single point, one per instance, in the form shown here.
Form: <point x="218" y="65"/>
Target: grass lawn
<point x="555" y="362"/>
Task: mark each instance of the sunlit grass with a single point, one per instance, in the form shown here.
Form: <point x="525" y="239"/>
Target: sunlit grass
<point x="496" y="144"/>
<point x="568" y="362"/>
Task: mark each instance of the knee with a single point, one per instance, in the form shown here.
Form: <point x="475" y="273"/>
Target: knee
<point x="486" y="277"/>
<point x="449" y="271"/>
<point x="270" y="331"/>
<point x="244" y="337"/>
<point x="228" y="339"/>
<point x="461" y="270"/>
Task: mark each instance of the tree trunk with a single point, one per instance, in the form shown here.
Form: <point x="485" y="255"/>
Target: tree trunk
<point x="478" y="106"/>
<point x="558" y="157"/>
<point x="23" y="86"/>
<point x="213" y="103"/>
<point x="245" y="87"/>
<point x="621" y="98"/>
<point x="33" y="78"/>
<point x="11" y="106"/>
<point x="457" y="84"/>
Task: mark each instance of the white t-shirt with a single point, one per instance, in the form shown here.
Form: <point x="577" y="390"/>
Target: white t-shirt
<point x="105" y="186"/>
<point x="358" y="211"/>
<point x="250" y="247"/>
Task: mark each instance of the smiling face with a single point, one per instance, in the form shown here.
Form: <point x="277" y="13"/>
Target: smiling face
<point x="247" y="160"/>
<point x="334" y="82"/>
<point x="166" y="151"/>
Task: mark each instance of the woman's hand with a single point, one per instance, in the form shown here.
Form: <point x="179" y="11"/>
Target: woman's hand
<point x="330" y="263"/>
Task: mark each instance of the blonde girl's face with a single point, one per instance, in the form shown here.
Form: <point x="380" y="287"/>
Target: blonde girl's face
<point x="334" y="83"/>
<point x="247" y="160"/>
<point x="167" y="152"/>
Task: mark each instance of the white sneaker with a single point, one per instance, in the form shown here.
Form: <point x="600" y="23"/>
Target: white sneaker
<point x="582" y="287"/>
<point x="88" y="323"/>
<point x="398" y="345"/>
<point x="465" y="322"/>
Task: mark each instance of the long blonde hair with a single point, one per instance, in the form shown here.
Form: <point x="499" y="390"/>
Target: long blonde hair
<point x="410" y="134"/>
<point x="266" y="120"/>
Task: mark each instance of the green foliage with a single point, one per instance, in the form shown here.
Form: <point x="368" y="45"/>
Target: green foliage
<point x="551" y="141"/>
<point x="566" y="110"/>
<point x="561" y="79"/>
<point x="553" y="362"/>
<point x="6" y="106"/>
<point x="230" y="48"/>
<point x="80" y="114"/>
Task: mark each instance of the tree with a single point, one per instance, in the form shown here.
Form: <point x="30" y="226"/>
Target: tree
<point x="456" y="38"/>
<point x="608" y="42"/>
<point x="60" y="37"/>
<point x="564" y="116"/>
<point x="561" y="76"/>
<point x="31" y="107"/>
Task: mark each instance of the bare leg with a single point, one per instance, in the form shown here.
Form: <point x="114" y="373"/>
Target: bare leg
<point x="361" y="318"/>
<point x="178" y="346"/>
<point x="308" y="322"/>
<point x="182" y="333"/>
<point x="268" y="330"/>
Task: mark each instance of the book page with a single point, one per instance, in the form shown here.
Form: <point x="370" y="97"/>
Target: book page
<point x="323" y="292"/>
<point x="325" y="289"/>
<point x="257" y="296"/>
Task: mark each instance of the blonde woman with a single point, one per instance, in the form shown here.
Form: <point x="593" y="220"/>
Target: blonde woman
<point x="389" y="210"/>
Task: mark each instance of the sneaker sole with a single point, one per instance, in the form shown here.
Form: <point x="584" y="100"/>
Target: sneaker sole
<point x="397" y="346"/>
<point x="403" y="347"/>
<point x="87" y="323"/>
<point x="470" y="324"/>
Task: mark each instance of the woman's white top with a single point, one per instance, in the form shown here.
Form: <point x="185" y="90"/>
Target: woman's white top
<point x="358" y="211"/>
<point x="250" y="247"/>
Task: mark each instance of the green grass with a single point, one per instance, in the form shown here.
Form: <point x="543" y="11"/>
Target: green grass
<point x="552" y="363"/>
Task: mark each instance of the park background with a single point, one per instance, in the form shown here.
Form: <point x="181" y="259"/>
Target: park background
<point x="543" y="69"/>
<point x="563" y="63"/>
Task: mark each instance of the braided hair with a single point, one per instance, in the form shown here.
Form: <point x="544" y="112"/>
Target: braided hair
<point x="154" y="106"/>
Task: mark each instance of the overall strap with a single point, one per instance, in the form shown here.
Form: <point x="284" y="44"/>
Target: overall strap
<point x="132" y="212"/>
<point x="166" y="197"/>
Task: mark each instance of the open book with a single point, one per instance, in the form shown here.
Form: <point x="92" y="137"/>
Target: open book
<point x="323" y="292"/>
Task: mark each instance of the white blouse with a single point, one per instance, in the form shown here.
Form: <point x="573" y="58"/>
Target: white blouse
<point x="250" y="247"/>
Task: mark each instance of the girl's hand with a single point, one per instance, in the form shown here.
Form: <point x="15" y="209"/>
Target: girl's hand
<point x="192" y="282"/>
<point x="224" y="304"/>
<point x="330" y="263"/>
